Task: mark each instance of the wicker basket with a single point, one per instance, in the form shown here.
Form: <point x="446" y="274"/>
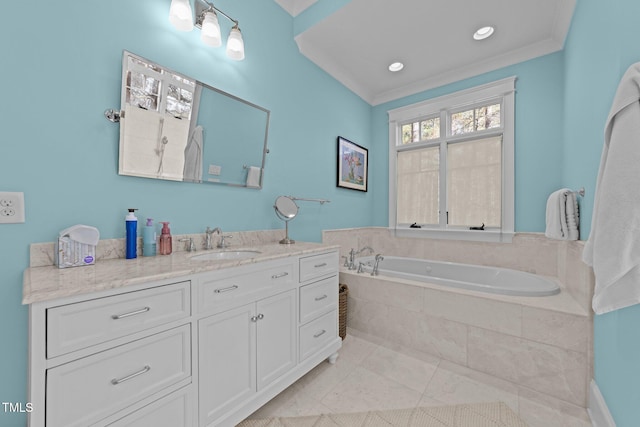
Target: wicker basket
<point x="343" y="294"/>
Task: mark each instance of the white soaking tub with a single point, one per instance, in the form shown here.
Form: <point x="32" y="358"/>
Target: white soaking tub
<point x="494" y="280"/>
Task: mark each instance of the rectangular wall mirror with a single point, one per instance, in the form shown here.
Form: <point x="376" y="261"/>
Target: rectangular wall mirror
<point x="176" y="128"/>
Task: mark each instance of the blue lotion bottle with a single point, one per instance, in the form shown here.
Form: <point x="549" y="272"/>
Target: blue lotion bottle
<point x="149" y="239"/>
<point x="132" y="234"/>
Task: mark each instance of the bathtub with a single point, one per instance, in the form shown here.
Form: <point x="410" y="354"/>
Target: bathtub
<point x="473" y="277"/>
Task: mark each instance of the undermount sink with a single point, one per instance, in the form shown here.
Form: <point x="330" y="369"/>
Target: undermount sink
<point x="223" y="255"/>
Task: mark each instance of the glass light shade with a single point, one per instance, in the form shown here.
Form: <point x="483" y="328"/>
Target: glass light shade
<point x="180" y="15"/>
<point x="235" y="45"/>
<point x="211" y="30"/>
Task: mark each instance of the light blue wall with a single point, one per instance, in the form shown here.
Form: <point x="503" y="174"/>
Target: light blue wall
<point x="538" y="135"/>
<point x="61" y="68"/>
<point x="602" y="43"/>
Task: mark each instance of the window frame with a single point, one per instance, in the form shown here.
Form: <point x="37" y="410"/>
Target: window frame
<point x="501" y="90"/>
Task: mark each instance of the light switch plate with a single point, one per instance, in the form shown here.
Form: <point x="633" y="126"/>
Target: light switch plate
<point x="11" y="207"/>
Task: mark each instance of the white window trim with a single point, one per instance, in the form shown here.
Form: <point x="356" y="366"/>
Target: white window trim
<point x="505" y="89"/>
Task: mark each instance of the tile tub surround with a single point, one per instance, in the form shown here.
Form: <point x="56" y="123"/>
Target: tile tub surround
<point x="530" y="252"/>
<point x="541" y="345"/>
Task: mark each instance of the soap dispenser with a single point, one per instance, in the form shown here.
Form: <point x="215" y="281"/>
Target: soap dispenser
<point x="131" y="223"/>
<point x="149" y="239"/>
<point x="165" y="239"/>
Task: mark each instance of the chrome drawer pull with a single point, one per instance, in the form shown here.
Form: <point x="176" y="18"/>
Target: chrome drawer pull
<point x="321" y="298"/>
<point x="277" y="276"/>
<point x="324" y="264"/>
<point x="144" y="370"/>
<point x="132" y="313"/>
<point x="256" y="318"/>
<point x="322" y="332"/>
<point x="230" y="288"/>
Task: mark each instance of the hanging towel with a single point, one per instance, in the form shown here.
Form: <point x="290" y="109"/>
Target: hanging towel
<point x="573" y="216"/>
<point x="253" y="176"/>
<point x="562" y="215"/>
<point x="613" y="248"/>
<point x="193" y="156"/>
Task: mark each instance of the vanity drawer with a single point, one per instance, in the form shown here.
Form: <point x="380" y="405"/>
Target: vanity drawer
<point x="317" y="298"/>
<point x="220" y="290"/>
<point x="89" y="389"/>
<point x="317" y="334"/>
<point x="316" y="266"/>
<point x="175" y="410"/>
<point x="80" y="325"/>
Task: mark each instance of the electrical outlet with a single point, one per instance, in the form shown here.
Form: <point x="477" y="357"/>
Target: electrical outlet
<point x="11" y="207"/>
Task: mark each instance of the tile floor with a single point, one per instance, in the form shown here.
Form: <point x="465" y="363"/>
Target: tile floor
<point x="371" y="376"/>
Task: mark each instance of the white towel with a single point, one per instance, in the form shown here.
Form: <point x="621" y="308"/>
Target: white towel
<point x="193" y="156"/>
<point x="573" y="216"/>
<point x="613" y="248"/>
<point x="562" y="217"/>
<point x="253" y="176"/>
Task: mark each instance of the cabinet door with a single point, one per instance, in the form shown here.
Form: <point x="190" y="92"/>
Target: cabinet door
<point x="227" y="361"/>
<point x="276" y="336"/>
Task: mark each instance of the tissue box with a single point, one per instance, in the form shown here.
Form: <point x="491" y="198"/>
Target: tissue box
<point x="76" y="246"/>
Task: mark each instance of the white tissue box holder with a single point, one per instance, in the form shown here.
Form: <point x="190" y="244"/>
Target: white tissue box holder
<point x="73" y="253"/>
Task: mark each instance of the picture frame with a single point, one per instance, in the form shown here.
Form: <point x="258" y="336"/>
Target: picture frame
<point x="352" y="165"/>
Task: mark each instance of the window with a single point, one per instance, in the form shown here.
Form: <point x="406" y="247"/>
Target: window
<point x="151" y="88"/>
<point x="451" y="165"/>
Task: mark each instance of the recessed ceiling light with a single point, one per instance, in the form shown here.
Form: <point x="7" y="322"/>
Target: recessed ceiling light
<point x="396" y="66"/>
<point x="483" y="33"/>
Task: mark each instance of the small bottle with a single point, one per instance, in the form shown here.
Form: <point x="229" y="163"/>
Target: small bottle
<point x="132" y="234"/>
<point x="165" y="239"/>
<point x="149" y="239"/>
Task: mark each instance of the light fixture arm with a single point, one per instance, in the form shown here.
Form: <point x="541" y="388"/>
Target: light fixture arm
<point x="201" y="10"/>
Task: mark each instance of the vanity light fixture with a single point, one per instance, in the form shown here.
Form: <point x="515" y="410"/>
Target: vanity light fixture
<point x="483" y="33"/>
<point x="180" y="15"/>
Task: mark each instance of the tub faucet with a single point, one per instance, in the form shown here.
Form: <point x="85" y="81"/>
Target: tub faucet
<point x="351" y="263"/>
<point x="374" y="271"/>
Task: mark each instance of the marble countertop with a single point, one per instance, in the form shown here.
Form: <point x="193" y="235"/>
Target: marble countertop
<point x="50" y="282"/>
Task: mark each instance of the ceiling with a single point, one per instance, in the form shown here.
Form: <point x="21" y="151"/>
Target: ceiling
<point x="356" y="43"/>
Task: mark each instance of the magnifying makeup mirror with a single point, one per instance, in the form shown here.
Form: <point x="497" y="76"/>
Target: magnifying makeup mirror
<point x="286" y="209"/>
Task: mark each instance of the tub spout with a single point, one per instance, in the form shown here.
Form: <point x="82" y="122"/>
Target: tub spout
<point x="374" y="271"/>
<point x="351" y="262"/>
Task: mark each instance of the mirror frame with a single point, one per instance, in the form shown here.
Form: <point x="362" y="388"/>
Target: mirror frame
<point x="265" y="150"/>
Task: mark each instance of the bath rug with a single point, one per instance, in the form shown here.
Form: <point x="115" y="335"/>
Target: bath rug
<point x="494" y="414"/>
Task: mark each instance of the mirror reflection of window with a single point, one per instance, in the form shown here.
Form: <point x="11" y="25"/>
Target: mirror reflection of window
<point x="179" y="129"/>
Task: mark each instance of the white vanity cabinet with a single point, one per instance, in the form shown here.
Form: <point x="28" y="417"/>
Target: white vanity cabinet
<point x="203" y="349"/>
<point x="97" y="358"/>
<point x="244" y="349"/>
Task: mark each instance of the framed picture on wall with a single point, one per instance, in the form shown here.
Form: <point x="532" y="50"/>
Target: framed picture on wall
<point x="352" y="165"/>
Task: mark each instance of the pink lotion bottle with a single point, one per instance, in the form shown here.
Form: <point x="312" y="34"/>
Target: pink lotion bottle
<point x="165" y="239"/>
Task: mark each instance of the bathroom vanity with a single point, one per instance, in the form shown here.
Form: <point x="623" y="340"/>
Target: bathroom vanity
<point x="176" y="341"/>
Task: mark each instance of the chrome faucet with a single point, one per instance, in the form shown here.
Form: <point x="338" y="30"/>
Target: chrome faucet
<point x="222" y="244"/>
<point x="208" y="244"/>
<point x="379" y="258"/>
<point x="191" y="247"/>
<point x="350" y="263"/>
